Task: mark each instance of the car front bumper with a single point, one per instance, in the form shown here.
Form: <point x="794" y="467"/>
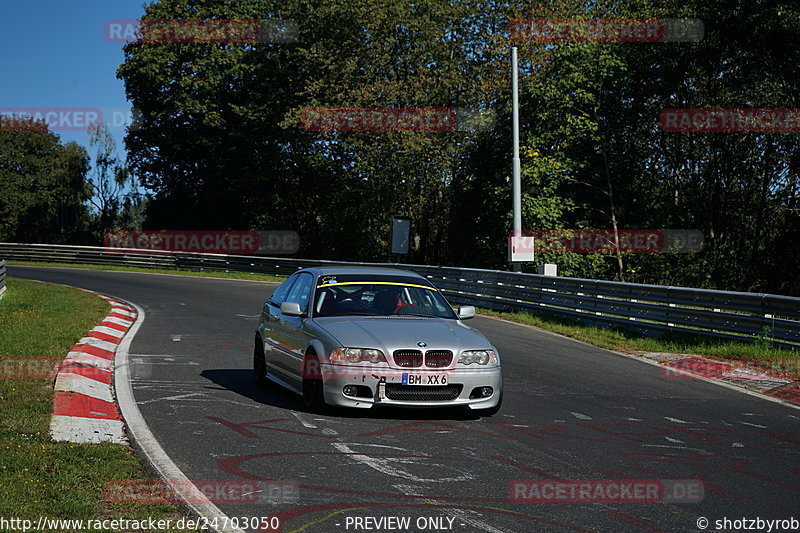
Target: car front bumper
<point x="429" y="388"/>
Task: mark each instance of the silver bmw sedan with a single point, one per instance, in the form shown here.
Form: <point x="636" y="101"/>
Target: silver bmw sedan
<point x="367" y="337"/>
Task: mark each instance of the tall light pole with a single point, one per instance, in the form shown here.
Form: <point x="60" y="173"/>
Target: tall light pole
<point x="516" y="182"/>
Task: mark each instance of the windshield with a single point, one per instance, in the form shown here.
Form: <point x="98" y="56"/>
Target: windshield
<point x="390" y="296"/>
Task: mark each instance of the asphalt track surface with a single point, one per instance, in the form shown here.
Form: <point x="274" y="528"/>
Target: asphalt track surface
<point x="571" y="411"/>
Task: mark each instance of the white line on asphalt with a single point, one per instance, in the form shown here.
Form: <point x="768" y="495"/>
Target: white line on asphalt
<point x="142" y="437"/>
<point x="309" y="425"/>
<point x="676" y="420"/>
<point x="177" y="397"/>
<point x="385" y="465"/>
<point x="580" y="416"/>
<point x="672" y="447"/>
<point x="754" y="425"/>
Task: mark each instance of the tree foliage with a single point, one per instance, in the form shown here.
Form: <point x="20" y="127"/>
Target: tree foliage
<point x="220" y="143"/>
<point x="42" y="184"/>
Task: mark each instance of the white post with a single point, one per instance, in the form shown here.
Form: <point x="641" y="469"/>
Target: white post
<point x="516" y="182"/>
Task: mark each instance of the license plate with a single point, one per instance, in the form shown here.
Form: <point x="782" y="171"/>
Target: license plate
<point x="423" y="379"/>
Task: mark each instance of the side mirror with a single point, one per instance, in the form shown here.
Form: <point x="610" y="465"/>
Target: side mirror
<point x="291" y="309"/>
<point x="466" y="311"/>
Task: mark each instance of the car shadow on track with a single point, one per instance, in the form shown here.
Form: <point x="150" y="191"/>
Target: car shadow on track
<point x="242" y="382"/>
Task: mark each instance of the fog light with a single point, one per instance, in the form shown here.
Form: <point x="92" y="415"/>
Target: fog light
<point x="350" y="390"/>
<point x="486" y="392"/>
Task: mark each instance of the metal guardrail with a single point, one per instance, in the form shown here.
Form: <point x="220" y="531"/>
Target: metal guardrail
<point x="2" y="278"/>
<point x="649" y="309"/>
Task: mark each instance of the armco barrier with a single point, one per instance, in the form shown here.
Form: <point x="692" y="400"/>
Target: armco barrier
<point x="650" y="309"/>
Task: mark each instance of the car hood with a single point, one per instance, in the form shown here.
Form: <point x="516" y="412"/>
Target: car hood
<point x="395" y="333"/>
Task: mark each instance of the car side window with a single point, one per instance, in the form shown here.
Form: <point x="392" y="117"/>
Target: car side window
<point x="301" y="291"/>
<point x="279" y="295"/>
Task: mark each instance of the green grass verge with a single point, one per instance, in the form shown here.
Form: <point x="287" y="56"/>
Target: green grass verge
<point x="632" y="342"/>
<point x="38" y="476"/>
<point x="230" y="275"/>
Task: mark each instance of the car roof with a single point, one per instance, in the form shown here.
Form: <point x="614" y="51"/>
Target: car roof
<point x="342" y="270"/>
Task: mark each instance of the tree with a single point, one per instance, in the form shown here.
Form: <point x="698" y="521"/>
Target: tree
<point x="42" y="184"/>
<point x="115" y="197"/>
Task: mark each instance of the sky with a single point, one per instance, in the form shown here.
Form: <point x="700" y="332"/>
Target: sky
<point x="56" y="55"/>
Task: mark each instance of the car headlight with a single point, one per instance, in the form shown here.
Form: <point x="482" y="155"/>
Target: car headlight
<point x="349" y="356"/>
<point x="479" y="357"/>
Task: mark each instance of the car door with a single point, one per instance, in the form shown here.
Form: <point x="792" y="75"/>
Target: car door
<point x="271" y="317"/>
<point x="291" y="333"/>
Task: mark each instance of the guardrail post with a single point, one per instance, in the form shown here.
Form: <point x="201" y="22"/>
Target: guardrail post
<point x="2" y="278"/>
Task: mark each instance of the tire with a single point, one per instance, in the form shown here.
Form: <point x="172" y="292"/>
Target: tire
<point x="259" y="362"/>
<point x="485" y="413"/>
<point x="313" y="395"/>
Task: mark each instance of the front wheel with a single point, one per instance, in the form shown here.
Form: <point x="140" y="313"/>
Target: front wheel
<point x="313" y="395"/>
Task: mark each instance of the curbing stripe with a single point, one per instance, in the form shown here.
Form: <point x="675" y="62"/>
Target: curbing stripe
<point x="99" y="343"/>
<point x="95" y="351"/>
<point x="103" y="336"/>
<point x="127" y="323"/>
<point x="85" y="370"/>
<point x="130" y="317"/>
<point x="102" y="328"/>
<point x="86" y="359"/>
<point x="86" y="430"/>
<point x="72" y="404"/>
<point x="106" y="323"/>
<point x="75" y="383"/>
<point x="83" y="404"/>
